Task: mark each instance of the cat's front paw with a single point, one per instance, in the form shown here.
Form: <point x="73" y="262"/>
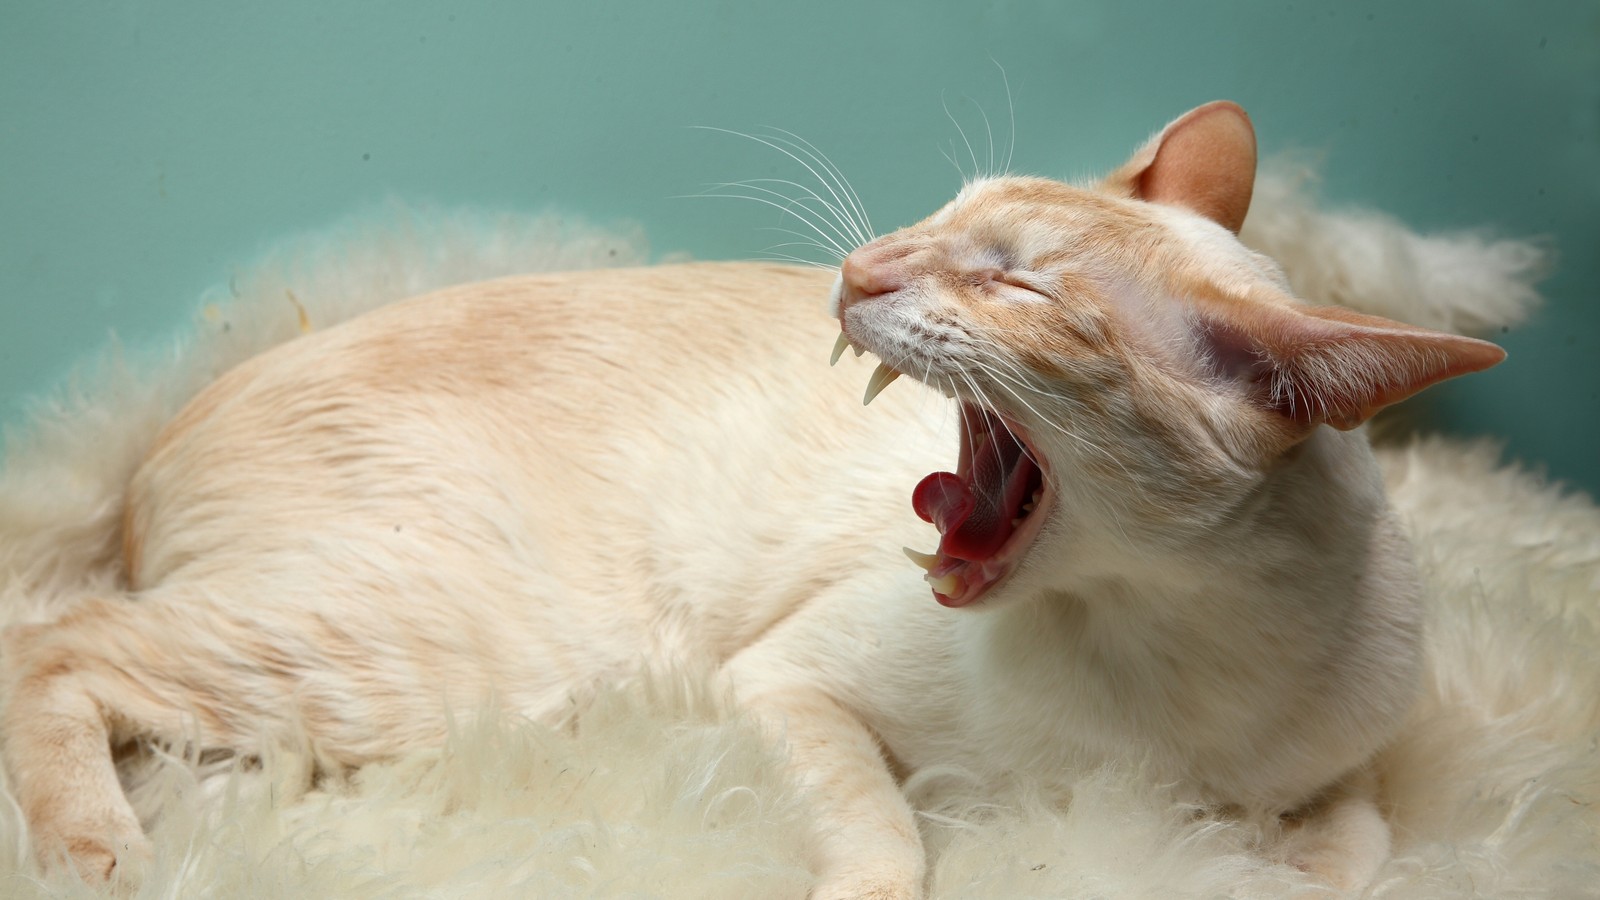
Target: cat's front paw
<point x="1337" y="867"/>
<point x="97" y="857"/>
<point x="1344" y="841"/>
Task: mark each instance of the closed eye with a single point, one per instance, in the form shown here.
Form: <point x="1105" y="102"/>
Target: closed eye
<point x="1037" y="287"/>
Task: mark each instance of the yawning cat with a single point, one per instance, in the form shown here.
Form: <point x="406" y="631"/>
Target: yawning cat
<point x="1161" y="537"/>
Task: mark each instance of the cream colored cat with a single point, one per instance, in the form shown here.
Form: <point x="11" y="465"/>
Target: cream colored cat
<point x="1150" y="545"/>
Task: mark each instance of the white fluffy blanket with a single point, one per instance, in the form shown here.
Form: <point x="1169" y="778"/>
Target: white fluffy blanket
<point x="662" y="791"/>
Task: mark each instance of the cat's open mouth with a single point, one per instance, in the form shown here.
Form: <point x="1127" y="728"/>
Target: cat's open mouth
<point x="988" y="511"/>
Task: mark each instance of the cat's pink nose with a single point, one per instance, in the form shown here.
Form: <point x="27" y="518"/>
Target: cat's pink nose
<point x="869" y="272"/>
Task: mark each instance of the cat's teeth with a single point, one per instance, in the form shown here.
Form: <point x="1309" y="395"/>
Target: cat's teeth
<point x="858" y="350"/>
<point x="925" y="560"/>
<point x="948" y="585"/>
<point x="838" y="349"/>
<point x="1028" y="507"/>
<point x="1036" y="495"/>
<point x="881" y="376"/>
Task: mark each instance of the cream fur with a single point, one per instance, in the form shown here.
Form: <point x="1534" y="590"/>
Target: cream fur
<point x="1470" y="748"/>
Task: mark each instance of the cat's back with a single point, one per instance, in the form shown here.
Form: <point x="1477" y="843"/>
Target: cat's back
<point x="651" y="431"/>
<point x="491" y="341"/>
<point x="442" y="392"/>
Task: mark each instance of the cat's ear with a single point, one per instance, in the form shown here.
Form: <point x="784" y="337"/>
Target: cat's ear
<point x="1204" y="162"/>
<point x="1326" y="364"/>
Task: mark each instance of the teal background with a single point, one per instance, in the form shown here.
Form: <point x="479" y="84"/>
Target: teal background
<point x="147" y="149"/>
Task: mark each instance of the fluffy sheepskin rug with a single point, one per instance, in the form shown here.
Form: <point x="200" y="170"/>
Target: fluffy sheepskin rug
<point x="659" y="789"/>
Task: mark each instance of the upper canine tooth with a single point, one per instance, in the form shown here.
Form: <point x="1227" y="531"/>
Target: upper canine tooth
<point x="924" y="560"/>
<point x="881" y="376"/>
<point x="838" y="349"/>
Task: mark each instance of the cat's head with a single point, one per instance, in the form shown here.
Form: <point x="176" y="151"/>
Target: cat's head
<point x="1123" y="364"/>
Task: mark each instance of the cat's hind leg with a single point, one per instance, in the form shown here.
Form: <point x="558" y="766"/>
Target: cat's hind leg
<point x="109" y="671"/>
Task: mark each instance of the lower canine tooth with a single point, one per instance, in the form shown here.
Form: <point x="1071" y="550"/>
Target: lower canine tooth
<point x="881" y="376"/>
<point x="948" y="585"/>
<point x="925" y="560"/>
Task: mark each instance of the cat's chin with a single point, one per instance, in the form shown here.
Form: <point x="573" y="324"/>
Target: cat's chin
<point x="989" y="511"/>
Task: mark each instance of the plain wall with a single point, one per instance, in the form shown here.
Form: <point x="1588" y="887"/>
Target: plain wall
<point x="147" y="149"/>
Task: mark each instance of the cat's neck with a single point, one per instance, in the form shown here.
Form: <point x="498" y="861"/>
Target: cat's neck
<point x="1312" y="542"/>
<point x="1306" y="600"/>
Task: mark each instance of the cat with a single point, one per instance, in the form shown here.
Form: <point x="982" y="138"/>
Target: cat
<point x="1165" y="535"/>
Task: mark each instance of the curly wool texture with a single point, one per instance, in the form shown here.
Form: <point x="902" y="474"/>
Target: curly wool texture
<point x="1462" y="282"/>
<point x="660" y="789"/>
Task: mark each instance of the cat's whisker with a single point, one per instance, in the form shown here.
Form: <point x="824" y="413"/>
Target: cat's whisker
<point x="991" y="405"/>
<point x="1005" y="384"/>
<point x="785" y="257"/>
<point x="986" y="403"/>
<point x="833" y="244"/>
<point x="989" y="172"/>
<point x="972" y="447"/>
<point x="776" y="252"/>
<point x="844" y="183"/>
<point x="842" y="216"/>
<point x="1019" y="377"/>
<point x="1010" y="384"/>
<point x="832" y="234"/>
<point x="846" y="204"/>
<point x="962" y="131"/>
<point x="1108" y="513"/>
<point x="781" y="149"/>
<point x="804" y="241"/>
<point x="945" y="385"/>
<point x="949" y="157"/>
<point x="1011" y="110"/>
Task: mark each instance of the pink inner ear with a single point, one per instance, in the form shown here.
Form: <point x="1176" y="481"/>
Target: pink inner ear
<point x="1205" y="162"/>
<point x="1332" y="365"/>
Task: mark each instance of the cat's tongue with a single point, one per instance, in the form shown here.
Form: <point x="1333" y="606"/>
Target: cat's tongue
<point x="987" y="510"/>
<point x="945" y="500"/>
<point x="974" y="514"/>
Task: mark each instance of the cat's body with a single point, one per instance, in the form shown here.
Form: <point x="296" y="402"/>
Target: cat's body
<point x="525" y="487"/>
